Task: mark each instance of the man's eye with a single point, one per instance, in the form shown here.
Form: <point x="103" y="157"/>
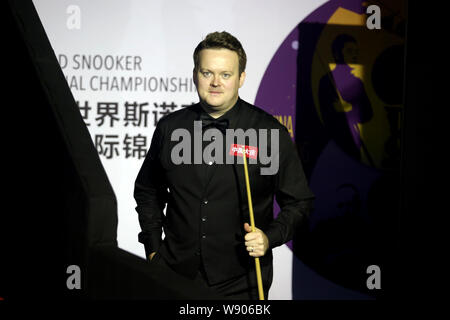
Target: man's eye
<point x="226" y="75"/>
<point x="206" y="73"/>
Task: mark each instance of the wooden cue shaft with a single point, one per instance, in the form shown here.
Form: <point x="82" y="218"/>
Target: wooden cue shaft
<point x="252" y="224"/>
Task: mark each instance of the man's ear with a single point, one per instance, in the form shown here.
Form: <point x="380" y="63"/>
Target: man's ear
<point x="242" y="79"/>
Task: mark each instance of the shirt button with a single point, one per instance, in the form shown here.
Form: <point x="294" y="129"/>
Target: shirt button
<point x="213" y="138"/>
<point x="205" y="201"/>
<point x="204" y="219"/>
<point x="203" y="236"/>
<point x="210" y="163"/>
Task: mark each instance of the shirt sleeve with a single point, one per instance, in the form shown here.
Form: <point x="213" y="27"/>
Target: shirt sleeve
<point x="291" y="193"/>
<point x="150" y="193"/>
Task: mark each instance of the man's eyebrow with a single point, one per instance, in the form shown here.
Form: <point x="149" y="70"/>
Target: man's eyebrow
<point x="206" y="69"/>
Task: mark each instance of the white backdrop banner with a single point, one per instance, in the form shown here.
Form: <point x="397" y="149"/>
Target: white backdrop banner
<point x="128" y="63"/>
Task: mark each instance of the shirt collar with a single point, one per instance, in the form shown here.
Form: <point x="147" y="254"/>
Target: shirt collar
<point x="231" y="115"/>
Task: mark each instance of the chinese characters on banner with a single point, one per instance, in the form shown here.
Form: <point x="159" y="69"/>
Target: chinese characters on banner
<point x="107" y="114"/>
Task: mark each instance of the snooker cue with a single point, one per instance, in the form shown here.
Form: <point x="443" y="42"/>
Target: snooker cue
<point x="252" y="224"/>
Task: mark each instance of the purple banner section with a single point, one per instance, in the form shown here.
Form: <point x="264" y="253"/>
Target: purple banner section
<point x="278" y="88"/>
<point x="346" y="126"/>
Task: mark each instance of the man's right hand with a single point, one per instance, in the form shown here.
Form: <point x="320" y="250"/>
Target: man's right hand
<point x="151" y="255"/>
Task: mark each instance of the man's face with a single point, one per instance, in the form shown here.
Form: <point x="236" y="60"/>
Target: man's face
<point x="217" y="78"/>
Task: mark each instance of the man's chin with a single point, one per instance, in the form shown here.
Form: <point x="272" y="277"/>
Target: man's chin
<point x="212" y="104"/>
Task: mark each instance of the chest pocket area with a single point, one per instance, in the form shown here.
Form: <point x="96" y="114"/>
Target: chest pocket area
<point x="261" y="184"/>
<point x="177" y="173"/>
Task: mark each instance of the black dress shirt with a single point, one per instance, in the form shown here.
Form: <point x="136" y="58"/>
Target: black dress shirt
<point x="207" y="203"/>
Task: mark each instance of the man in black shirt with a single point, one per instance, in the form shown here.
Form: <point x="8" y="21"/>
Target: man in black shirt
<point x="196" y="169"/>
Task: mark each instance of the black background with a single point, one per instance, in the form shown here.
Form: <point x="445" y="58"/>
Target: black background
<point x="34" y="233"/>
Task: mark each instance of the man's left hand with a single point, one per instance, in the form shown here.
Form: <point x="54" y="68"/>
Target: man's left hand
<point x="256" y="241"/>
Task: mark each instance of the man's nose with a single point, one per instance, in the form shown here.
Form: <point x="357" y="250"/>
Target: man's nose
<point x="215" y="82"/>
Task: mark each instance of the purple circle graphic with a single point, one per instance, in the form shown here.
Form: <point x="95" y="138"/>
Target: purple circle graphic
<point x="277" y="94"/>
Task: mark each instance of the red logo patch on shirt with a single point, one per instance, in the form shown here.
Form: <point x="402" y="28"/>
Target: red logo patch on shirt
<point x="238" y="150"/>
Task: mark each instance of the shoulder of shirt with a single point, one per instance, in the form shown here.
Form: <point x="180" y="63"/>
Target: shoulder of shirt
<point x="179" y="115"/>
<point x="262" y="118"/>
